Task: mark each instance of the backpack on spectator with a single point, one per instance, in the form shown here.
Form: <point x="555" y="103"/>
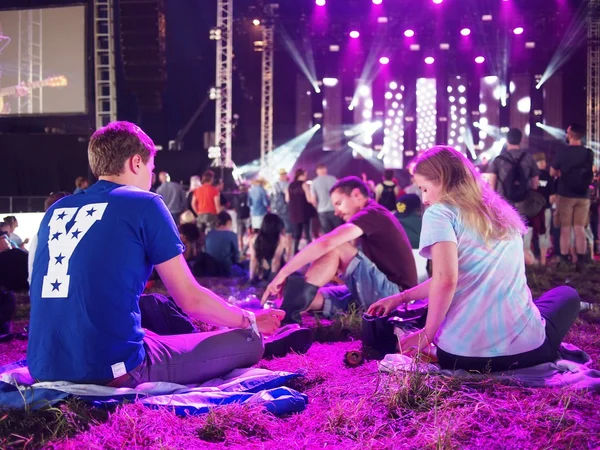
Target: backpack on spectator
<point x="515" y="185"/>
<point x="579" y="178"/>
<point x="278" y="203"/>
<point x="241" y="206"/>
<point x="388" y="197"/>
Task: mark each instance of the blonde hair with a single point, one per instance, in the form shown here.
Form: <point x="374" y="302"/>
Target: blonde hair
<point x="483" y="209"/>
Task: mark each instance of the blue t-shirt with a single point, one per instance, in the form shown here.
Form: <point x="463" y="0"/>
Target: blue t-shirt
<point x="492" y="312"/>
<point x="222" y="245"/>
<point x="95" y="253"/>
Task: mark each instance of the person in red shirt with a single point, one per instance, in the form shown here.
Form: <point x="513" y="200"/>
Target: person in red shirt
<point x="206" y="202"/>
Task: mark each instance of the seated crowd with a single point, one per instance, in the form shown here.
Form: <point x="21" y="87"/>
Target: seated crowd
<point x="359" y="250"/>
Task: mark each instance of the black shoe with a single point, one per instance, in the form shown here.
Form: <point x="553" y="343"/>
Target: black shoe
<point x="291" y="338"/>
<point x="564" y="263"/>
<point x="297" y="297"/>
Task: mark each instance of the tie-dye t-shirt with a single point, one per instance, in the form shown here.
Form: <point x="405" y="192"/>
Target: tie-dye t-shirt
<point x="492" y="312"/>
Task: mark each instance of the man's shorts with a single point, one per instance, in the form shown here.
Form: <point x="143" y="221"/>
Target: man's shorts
<point x="243" y="225"/>
<point x="572" y="211"/>
<point x="364" y="285"/>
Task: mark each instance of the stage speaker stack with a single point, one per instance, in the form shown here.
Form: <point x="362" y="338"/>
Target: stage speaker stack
<point x="142" y="29"/>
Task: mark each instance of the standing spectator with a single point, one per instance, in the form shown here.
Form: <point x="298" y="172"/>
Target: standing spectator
<point x="81" y="183"/>
<point x="514" y="175"/>
<point x="225" y="204"/>
<point x="222" y="245"/>
<point x="206" y="202"/>
<point x="172" y="194"/>
<point x="258" y="200"/>
<point x="412" y="188"/>
<point x="297" y="197"/>
<point x="321" y="200"/>
<point x="387" y="191"/>
<point x="280" y="207"/>
<point x="242" y="212"/>
<point x="574" y="168"/>
<point x="546" y="190"/>
<point x="195" y="183"/>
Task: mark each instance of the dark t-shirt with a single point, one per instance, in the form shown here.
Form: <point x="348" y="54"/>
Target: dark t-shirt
<point x="386" y="244"/>
<point x="566" y="160"/>
<point x="546" y="187"/>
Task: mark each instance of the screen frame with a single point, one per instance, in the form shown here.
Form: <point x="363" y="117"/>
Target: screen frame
<point x="88" y="85"/>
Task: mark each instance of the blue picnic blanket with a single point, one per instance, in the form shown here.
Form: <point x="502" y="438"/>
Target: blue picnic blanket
<point x="248" y="386"/>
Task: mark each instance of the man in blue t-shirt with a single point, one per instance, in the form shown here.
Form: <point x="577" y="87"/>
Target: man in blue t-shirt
<point x="94" y="255"/>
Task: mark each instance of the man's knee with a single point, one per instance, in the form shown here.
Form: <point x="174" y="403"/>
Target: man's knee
<point x="346" y="253"/>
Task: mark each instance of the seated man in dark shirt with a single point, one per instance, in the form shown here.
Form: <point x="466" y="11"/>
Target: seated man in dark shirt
<point x="95" y="252"/>
<point x="370" y="253"/>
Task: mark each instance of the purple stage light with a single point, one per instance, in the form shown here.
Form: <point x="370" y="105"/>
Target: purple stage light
<point x="429" y="60"/>
<point x="437" y="2"/>
<point x="320" y="2"/>
<point x="465" y="31"/>
<point x="409" y="33"/>
<point x="377" y="2"/>
<point x="384" y="60"/>
<point x="518" y="30"/>
<point x="480" y="60"/>
<point x="354" y="34"/>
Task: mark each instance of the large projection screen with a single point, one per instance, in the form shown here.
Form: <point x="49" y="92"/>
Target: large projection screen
<point x="42" y="61"/>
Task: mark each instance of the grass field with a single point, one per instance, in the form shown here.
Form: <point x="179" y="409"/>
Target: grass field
<point x="348" y="408"/>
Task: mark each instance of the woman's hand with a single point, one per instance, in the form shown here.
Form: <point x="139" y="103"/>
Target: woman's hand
<point x="386" y="305"/>
<point x="414" y="343"/>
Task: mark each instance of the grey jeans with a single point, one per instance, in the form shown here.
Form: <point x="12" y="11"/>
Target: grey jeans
<point x="195" y="358"/>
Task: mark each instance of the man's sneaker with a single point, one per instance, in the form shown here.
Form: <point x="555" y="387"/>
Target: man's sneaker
<point x="291" y="338"/>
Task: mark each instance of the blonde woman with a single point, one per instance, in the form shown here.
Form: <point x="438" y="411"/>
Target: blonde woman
<point x="481" y="314"/>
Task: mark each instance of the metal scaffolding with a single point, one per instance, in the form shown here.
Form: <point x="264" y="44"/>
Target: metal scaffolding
<point x="223" y="85"/>
<point x="593" y="91"/>
<point x="266" y="123"/>
<point x="104" y="63"/>
<point x="29" y="70"/>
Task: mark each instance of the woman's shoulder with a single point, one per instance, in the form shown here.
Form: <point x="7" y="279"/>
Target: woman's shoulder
<point x="442" y="209"/>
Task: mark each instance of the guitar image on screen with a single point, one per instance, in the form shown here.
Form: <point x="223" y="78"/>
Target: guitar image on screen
<point x="23" y="89"/>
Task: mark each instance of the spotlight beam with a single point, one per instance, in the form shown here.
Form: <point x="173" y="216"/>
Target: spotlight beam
<point x="573" y="39"/>
<point x="303" y="65"/>
<point x="282" y="157"/>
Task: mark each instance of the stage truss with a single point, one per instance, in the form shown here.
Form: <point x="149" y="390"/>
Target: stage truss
<point x="266" y="124"/>
<point x="29" y="70"/>
<point x="104" y="63"/>
<point x="223" y="85"/>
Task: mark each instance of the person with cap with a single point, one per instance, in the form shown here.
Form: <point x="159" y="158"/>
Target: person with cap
<point x="408" y="213"/>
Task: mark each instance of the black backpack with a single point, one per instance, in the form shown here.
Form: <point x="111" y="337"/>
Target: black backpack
<point x="515" y="185"/>
<point x="579" y="178"/>
<point x="388" y="197"/>
<point x="241" y="206"/>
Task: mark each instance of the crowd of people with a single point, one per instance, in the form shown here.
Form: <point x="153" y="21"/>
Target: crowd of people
<point x="320" y="246"/>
